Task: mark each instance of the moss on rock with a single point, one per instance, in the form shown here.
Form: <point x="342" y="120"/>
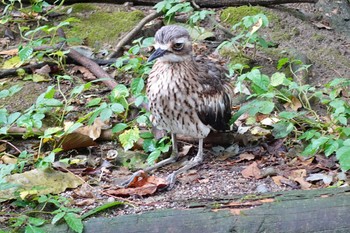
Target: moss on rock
<point x="101" y="27"/>
<point x="233" y="15"/>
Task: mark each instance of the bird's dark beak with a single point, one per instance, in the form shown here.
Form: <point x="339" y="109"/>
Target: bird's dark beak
<point x="158" y="53"/>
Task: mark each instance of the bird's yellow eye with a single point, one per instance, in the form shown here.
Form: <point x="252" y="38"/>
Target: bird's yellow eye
<point x="178" y="46"/>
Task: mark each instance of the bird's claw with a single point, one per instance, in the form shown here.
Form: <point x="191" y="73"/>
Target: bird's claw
<point x="171" y="179"/>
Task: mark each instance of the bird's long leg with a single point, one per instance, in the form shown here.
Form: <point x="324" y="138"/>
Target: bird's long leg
<point x="174" y="156"/>
<point x="192" y="163"/>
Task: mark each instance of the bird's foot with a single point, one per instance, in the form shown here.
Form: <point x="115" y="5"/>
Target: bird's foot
<point x="171" y="180"/>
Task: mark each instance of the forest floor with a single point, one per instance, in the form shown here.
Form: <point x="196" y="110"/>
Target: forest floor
<point x="317" y="33"/>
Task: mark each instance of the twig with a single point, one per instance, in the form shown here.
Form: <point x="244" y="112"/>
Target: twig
<point x="13" y="146"/>
<point x="134" y="32"/>
<point x="213" y="21"/>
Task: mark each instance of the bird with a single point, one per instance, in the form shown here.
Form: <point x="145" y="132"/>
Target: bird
<point x="187" y="95"/>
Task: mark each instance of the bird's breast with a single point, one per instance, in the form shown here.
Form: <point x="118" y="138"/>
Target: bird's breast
<point x="172" y="99"/>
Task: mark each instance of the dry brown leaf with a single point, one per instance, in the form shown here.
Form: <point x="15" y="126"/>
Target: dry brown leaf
<point x="6" y="159"/>
<point x="3" y="147"/>
<point x="295" y="104"/>
<point x="11" y="52"/>
<point x="246" y="156"/>
<point x="185" y="149"/>
<point x="279" y="180"/>
<point x="299" y="176"/>
<point x="252" y="171"/>
<point x="85" y="202"/>
<point x="84" y="136"/>
<point x="303" y="184"/>
<point x="141" y="185"/>
<point x="87" y="75"/>
<point x="45" y="70"/>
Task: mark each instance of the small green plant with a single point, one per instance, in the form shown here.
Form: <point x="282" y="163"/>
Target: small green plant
<point x="247" y="34"/>
<point x="171" y="7"/>
<point x="325" y="132"/>
<point x="44" y="206"/>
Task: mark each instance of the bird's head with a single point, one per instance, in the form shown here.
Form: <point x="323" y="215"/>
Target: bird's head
<point x="172" y="44"/>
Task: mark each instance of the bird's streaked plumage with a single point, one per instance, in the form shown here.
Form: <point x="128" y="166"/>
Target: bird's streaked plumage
<point x="187" y="95"/>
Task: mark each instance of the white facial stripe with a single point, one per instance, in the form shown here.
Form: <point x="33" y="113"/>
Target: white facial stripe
<point x="181" y="40"/>
<point x="161" y="46"/>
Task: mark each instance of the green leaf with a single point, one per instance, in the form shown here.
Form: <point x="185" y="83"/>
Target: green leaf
<point x="50" y="158"/>
<point x="74" y="222"/>
<point x="129" y="137"/>
<point x="117" y="108"/>
<point x="142" y="119"/>
<point x="57" y="217"/>
<point x="119" y="127"/>
<point x="139" y="100"/>
<point x="288" y="115"/>
<point x="153" y="157"/>
<point x="149" y="145"/>
<point x="331" y="147"/>
<point x="94" y="102"/>
<point x="282" y="62"/>
<point x="25" y="53"/>
<point x="106" y="114"/>
<point x="33" y="229"/>
<point x="52" y="130"/>
<point x="102" y="208"/>
<point x="36" y="221"/>
<point x="120" y="91"/>
<point x="343" y="155"/>
<point x="4" y="93"/>
<point x="145" y="135"/>
<point x="73" y="127"/>
<point x="282" y="128"/>
<point x="13" y="117"/>
<point x="277" y="79"/>
<point x="346" y="142"/>
<point x="315" y="145"/>
<point x="137" y="85"/>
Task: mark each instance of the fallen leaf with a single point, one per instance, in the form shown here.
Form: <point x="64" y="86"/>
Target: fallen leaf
<point x="7" y="159"/>
<point x="85" y="202"/>
<point x="279" y="180"/>
<point x="246" y="156"/>
<point x="83" y="136"/>
<point x="296" y="104"/>
<point x="11" y="52"/>
<point x="87" y="75"/>
<point x="299" y="176"/>
<point x="44" y="71"/>
<point x="303" y="184"/>
<point x="252" y="171"/>
<point x="141" y="185"/>
<point x="39" y="182"/>
<point x="185" y="149"/>
<point x="256" y="130"/>
<point x="3" y="147"/>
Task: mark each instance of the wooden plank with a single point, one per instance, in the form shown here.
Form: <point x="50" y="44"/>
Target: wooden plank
<point x="325" y="210"/>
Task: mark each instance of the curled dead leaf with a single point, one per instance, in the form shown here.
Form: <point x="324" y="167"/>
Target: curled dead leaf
<point x="141" y="185"/>
<point x="252" y="171"/>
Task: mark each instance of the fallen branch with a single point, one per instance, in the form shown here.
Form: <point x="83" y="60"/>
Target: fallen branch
<point x="126" y="39"/>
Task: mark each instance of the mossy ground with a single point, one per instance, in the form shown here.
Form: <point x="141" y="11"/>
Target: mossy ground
<point x="99" y="27"/>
